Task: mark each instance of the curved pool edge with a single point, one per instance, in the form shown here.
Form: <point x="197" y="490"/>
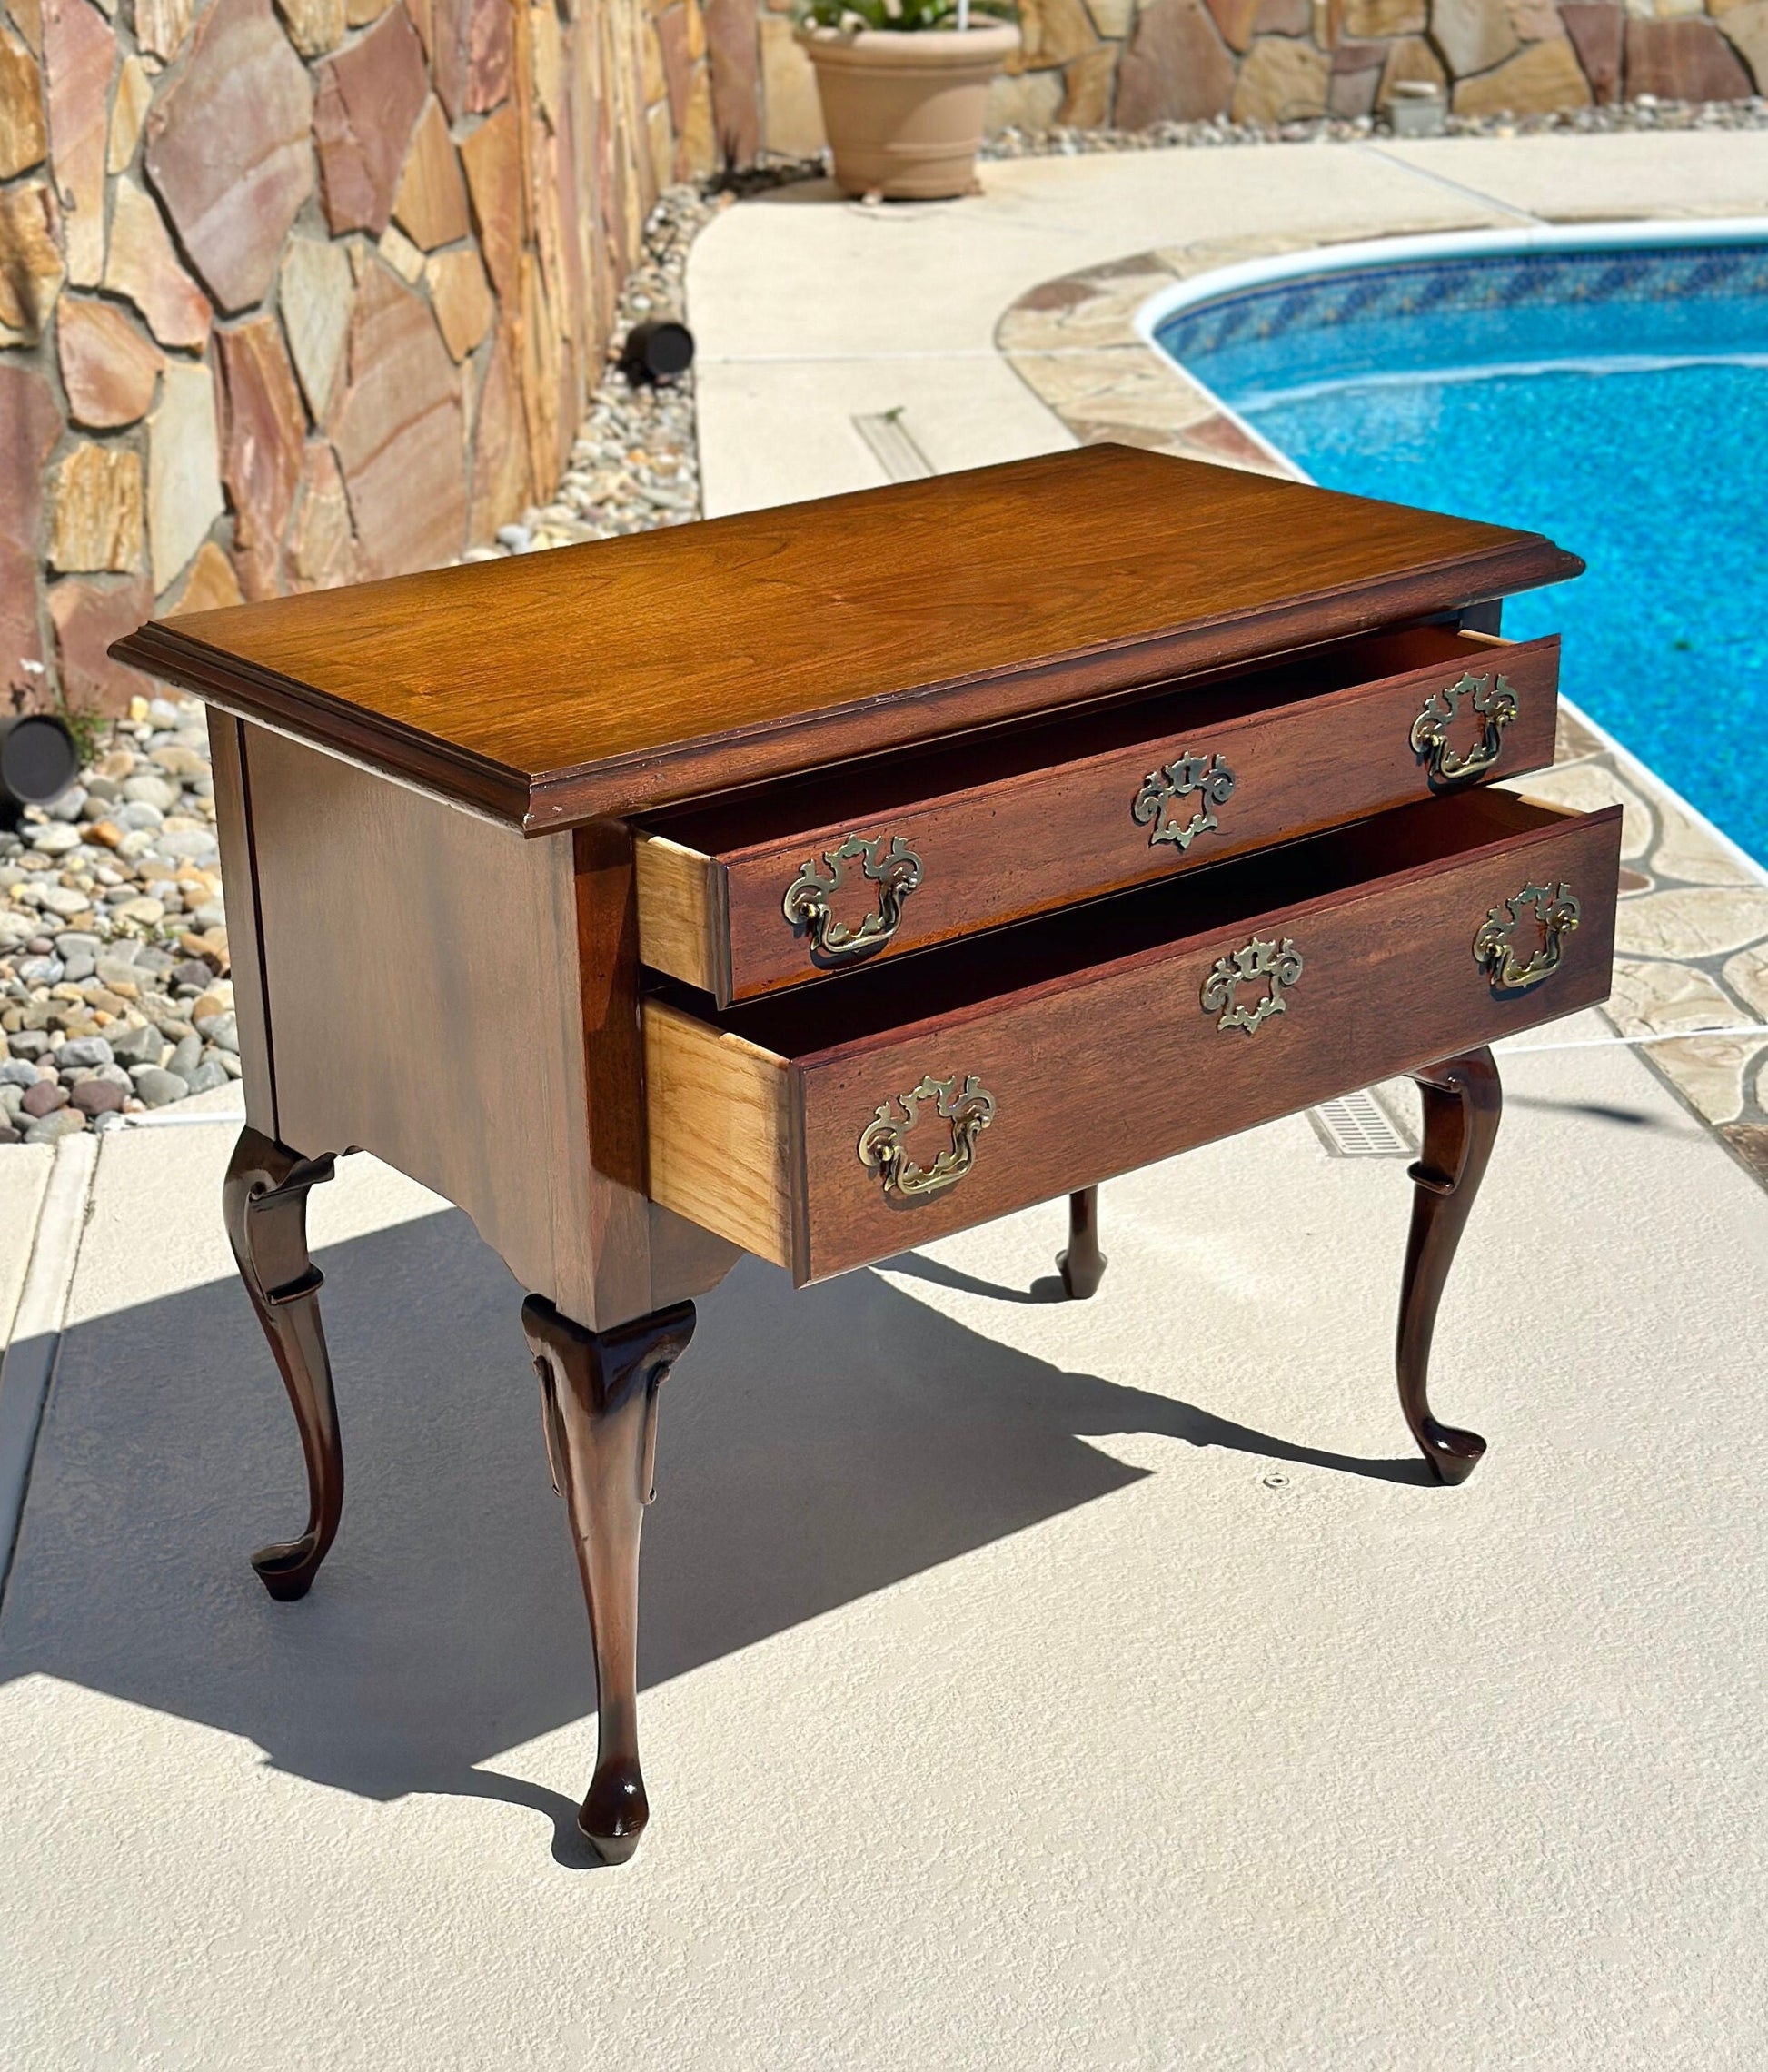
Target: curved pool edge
<point x="1082" y="342"/>
<point x="1511" y="241"/>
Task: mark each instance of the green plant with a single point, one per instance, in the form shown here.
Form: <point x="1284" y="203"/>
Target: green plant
<point x="899" y="15"/>
<point x="91" y="730"/>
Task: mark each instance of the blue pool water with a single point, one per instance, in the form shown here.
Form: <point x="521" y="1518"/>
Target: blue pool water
<point x="1615" y="400"/>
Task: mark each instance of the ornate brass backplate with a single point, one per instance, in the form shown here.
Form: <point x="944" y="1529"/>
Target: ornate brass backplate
<point x="1206" y="777"/>
<point x="1495" y="703"/>
<point x="896" y="871"/>
<point x="1277" y="964"/>
<point x="969" y="1111"/>
<point x="1543" y="917"/>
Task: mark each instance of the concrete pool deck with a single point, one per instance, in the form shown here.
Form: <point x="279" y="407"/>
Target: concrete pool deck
<point x="1027" y="1684"/>
<point x="1024" y="301"/>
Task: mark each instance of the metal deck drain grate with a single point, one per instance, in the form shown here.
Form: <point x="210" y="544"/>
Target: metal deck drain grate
<point x="1357" y="1126"/>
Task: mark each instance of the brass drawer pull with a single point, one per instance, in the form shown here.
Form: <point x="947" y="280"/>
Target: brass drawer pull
<point x="1545" y="917"/>
<point x="1185" y="775"/>
<point x="1277" y="964"/>
<point x="969" y="1111"/>
<point x="1496" y="703"/>
<point x="896" y="872"/>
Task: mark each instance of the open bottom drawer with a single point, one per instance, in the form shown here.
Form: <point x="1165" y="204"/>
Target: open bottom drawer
<point x="832" y="1128"/>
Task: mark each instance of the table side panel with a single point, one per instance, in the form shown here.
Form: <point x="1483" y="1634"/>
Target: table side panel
<point x="421" y="980"/>
<point x="1099" y="1076"/>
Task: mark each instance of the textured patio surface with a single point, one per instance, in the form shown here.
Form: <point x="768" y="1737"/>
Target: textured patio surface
<point x="1027" y="1684"/>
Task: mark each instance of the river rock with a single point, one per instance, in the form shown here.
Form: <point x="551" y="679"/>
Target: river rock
<point x="137" y="1043"/>
<point x="86" y="1050"/>
<point x="44" y="1099"/>
<point x="52" y="1129"/>
<point x="188" y="844"/>
<point x="154" y="1087"/>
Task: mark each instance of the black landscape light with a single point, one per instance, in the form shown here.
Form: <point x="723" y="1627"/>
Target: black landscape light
<point x="657" y="351"/>
<point x="38" y="761"/>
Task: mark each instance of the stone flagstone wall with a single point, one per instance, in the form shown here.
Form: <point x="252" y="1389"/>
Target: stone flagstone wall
<point x="1131" y="64"/>
<point x="295" y="296"/>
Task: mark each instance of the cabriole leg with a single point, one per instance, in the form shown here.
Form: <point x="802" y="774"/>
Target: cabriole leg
<point x="1462" y="1102"/>
<point x="264" y="1202"/>
<point x="599" y="1407"/>
<point x="1082" y="1265"/>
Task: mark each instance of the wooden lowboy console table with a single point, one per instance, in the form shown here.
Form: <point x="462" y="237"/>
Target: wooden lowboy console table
<point x="843" y="875"/>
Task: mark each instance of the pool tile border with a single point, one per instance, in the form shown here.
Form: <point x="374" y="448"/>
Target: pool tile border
<point x="1691" y="934"/>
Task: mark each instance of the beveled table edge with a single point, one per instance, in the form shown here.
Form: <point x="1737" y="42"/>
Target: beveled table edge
<point x="552" y="801"/>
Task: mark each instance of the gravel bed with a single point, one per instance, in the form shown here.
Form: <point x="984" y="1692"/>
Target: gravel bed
<point x="114" y="990"/>
<point x="1643" y="113"/>
<point x="634" y="465"/>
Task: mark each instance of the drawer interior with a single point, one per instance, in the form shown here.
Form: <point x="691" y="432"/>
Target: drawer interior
<point x="946" y="981"/>
<point x="879" y="786"/>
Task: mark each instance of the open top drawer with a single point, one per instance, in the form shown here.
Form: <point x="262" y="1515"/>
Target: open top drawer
<point x="749" y="895"/>
<point x="830" y="1127"/>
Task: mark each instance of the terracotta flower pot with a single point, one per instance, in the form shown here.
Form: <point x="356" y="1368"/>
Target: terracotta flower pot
<point x="904" y="109"/>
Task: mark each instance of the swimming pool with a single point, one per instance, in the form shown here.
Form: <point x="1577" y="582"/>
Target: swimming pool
<point x="1614" y="395"/>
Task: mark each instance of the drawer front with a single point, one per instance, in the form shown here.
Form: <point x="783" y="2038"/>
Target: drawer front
<point x="828" y="898"/>
<point x="1105" y="1073"/>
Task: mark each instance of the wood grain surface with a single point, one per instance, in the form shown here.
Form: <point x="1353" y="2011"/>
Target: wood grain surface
<point x="551" y="688"/>
<point x="679" y="927"/>
<point x="720" y="1135"/>
<point x="425" y="999"/>
<point x="1310" y="748"/>
<point x="1101" y="1056"/>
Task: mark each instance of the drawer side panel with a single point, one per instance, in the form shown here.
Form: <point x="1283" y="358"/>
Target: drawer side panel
<point x="719" y="1131"/>
<point x="677" y="911"/>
